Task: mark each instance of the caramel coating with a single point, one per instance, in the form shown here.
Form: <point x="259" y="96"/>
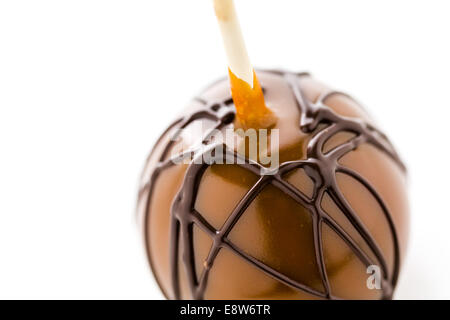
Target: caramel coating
<point x="275" y="229"/>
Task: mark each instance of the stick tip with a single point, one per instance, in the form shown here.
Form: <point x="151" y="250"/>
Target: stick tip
<point x="223" y="9"/>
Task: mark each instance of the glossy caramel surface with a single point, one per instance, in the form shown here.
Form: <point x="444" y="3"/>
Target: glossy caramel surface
<point x="275" y="229"/>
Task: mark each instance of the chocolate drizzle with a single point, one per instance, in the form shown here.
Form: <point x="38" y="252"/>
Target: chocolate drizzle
<point x="319" y="166"/>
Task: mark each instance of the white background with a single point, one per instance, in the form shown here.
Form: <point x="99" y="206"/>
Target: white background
<point x="87" y="86"/>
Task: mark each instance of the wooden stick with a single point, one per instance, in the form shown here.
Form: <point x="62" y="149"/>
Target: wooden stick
<point x="251" y="109"/>
<point x="238" y="60"/>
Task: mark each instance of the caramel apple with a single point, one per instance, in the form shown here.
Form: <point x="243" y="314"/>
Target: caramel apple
<point x="325" y="218"/>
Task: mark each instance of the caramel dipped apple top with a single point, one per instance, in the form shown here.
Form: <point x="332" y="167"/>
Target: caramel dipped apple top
<point x="331" y="222"/>
<point x="248" y="97"/>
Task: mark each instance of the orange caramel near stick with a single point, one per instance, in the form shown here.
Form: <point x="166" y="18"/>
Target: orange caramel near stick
<point x="251" y="109"/>
<point x="248" y="96"/>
